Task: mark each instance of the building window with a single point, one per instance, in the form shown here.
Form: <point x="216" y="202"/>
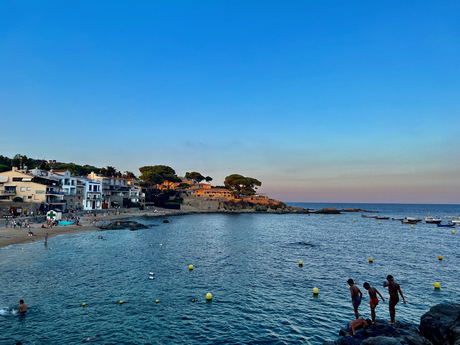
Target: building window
<point x="23" y="189"/>
<point x="29" y="197"/>
<point x="28" y="188"/>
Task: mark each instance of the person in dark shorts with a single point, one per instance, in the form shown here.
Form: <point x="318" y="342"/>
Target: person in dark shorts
<point x="357" y="324"/>
<point x="356" y="296"/>
<point x="373" y="299"/>
<point x="393" y="289"/>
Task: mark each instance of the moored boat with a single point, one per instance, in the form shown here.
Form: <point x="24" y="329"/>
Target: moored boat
<point x="382" y="217"/>
<point x="368" y="216"/>
<point x="432" y="220"/>
<point x="449" y="225"/>
<point x="413" y="219"/>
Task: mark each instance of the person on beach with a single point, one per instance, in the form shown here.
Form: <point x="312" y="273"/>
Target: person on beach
<point x="393" y="289"/>
<point x="354" y="325"/>
<point x="373" y="298"/>
<point x="22" y="307"/>
<point x="356" y="296"/>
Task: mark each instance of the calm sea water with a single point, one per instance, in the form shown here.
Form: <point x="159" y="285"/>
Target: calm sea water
<point x="249" y="263"/>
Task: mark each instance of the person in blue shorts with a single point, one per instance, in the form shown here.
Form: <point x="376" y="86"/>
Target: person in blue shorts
<point x="354" y="325"/>
<point x="356" y="296"/>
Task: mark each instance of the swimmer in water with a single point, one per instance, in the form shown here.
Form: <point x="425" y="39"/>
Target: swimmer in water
<point x="22" y="307"/>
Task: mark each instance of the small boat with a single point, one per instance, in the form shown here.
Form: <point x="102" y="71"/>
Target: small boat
<point x="450" y="225"/>
<point x="456" y="222"/>
<point x="400" y="219"/>
<point x="368" y="216"/>
<point x="413" y="219"/>
<point x="408" y="221"/>
<point x="382" y="217"/>
<point x="432" y="220"/>
<point x="451" y="217"/>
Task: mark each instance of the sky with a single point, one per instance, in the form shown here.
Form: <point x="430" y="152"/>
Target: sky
<point x="322" y="101"/>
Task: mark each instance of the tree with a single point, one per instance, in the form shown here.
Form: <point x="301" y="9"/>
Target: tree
<point x="109" y="171"/>
<point x="129" y="175"/>
<point x="4" y="168"/>
<point x="241" y="185"/>
<point x="45" y="166"/>
<point x="184" y="186"/>
<point x="157" y="174"/>
<point x="195" y="176"/>
<point x="208" y="178"/>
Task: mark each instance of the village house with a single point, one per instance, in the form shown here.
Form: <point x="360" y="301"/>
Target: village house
<point x="42" y="190"/>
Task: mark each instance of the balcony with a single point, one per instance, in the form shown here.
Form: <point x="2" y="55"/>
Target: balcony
<point x="8" y="192"/>
<point x="52" y="192"/>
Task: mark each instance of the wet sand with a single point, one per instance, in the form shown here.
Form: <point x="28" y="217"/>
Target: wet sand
<point x="9" y="236"/>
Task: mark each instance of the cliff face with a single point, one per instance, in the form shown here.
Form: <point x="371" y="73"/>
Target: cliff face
<point x="199" y="204"/>
<point x="439" y="326"/>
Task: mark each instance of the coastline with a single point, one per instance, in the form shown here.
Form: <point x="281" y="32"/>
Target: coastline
<point x="11" y="236"/>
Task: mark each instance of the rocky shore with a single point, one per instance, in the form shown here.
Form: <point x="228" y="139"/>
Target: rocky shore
<point x="439" y="326"/>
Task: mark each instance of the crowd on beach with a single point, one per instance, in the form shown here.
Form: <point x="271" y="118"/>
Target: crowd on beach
<point x="394" y="291"/>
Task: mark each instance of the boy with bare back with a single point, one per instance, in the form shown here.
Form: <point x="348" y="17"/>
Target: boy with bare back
<point x="393" y="289"/>
<point x="373" y="298"/>
<point x="356" y="296"/>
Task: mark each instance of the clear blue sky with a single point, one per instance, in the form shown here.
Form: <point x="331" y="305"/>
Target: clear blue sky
<point x="353" y="101"/>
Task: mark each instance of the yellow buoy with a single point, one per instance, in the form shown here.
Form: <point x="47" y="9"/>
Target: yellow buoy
<point x="22" y="248"/>
<point x="190" y="267"/>
<point x="209" y="296"/>
<point x="332" y="217"/>
<point x="379" y="221"/>
<point x="157" y="301"/>
<point x="121" y="302"/>
<point x="161" y="244"/>
<point x="193" y="300"/>
<point x="437" y="285"/>
<point x="322" y="216"/>
<point x="79" y="247"/>
<point x="315" y="291"/>
<point x="453" y="231"/>
<point x="354" y="220"/>
<point x="300" y="263"/>
<point x="371" y="260"/>
<point x="440" y="257"/>
<point x="411" y="226"/>
<point x="150" y="245"/>
<point x="83" y="304"/>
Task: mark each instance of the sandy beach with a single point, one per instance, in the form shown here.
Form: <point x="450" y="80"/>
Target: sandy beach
<point x="9" y="236"/>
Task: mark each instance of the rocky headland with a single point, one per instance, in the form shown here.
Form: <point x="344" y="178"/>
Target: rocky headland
<point x="439" y="326"/>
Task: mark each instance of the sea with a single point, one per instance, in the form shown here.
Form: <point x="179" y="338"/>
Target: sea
<point x="136" y="287"/>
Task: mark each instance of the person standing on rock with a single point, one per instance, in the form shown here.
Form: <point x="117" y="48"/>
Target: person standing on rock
<point x="373" y="298"/>
<point x="393" y="289"/>
<point x="356" y="296"/>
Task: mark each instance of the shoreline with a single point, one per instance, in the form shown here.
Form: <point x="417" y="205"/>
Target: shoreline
<point x="11" y="236"/>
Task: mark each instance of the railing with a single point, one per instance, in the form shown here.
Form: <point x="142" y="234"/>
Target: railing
<point x="54" y="193"/>
<point x="8" y="192"/>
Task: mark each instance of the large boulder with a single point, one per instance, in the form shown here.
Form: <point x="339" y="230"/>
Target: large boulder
<point x="381" y="333"/>
<point x="442" y="324"/>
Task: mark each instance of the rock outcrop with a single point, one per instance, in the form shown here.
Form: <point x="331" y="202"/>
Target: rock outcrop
<point x="439" y="326"/>
<point x="442" y="324"/>
<point x="120" y="225"/>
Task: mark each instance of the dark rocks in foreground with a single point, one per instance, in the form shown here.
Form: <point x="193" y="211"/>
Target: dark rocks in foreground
<point x="439" y="326"/>
<point x="442" y="324"/>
